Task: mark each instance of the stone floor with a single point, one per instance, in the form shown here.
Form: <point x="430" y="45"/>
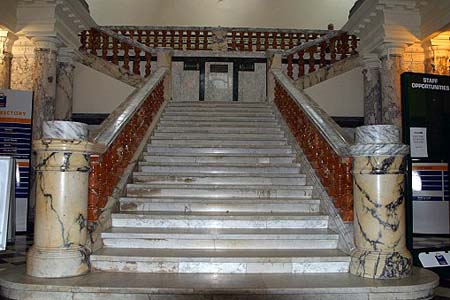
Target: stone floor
<point x="15" y="254"/>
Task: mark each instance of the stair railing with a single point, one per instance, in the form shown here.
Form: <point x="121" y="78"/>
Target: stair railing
<point x="322" y="140"/>
<point x="321" y="52"/>
<point x="200" y="38"/>
<point x="122" y="133"/>
<point x="119" y="49"/>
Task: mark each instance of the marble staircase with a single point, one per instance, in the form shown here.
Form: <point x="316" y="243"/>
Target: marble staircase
<point x="219" y="191"/>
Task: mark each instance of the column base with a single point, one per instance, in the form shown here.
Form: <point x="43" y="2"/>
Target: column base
<point x="381" y="265"/>
<point x="56" y="263"/>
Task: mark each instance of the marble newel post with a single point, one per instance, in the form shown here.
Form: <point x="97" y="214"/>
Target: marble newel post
<point x="164" y="59"/>
<point x="372" y="89"/>
<point x="62" y="173"/>
<point x="64" y="84"/>
<point x="274" y="62"/>
<point x="44" y="82"/>
<point x="379" y="204"/>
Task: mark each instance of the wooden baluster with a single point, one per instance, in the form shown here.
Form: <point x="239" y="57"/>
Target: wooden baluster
<point x="180" y="39"/>
<point x="156" y="39"/>
<point x="197" y="39"/>
<point x="92" y="46"/>
<point x="323" y="48"/>
<point x="258" y="41"/>
<point x="274" y="40"/>
<point x="137" y="61"/>
<point x="172" y="39"/>
<point x="332" y="51"/>
<point x="283" y="44"/>
<point x="339" y="47"/>
<point x="291" y="40"/>
<point x="345" y="46"/>
<point x="126" y="57"/>
<point x="105" y="45"/>
<point x="148" y="64"/>
<point x="164" y="38"/>
<point x="266" y="41"/>
<point x="205" y="40"/>
<point x="115" y="51"/>
<point x="188" y="40"/>
<point x="250" y="41"/>
<point x="354" y="46"/>
<point x="241" y="42"/>
<point x="301" y="64"/>
<point x="312" y="61"/>
<point x="290" y="67"/>
<point x="83" y="40"/>
<point x="233" y="41"/>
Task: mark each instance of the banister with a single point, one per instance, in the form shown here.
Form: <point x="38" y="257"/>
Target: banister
<point x="326" y="125"/>
<point x="125" y="39"/>
<point x="113" y="124"/>
<point x="314" y="42"/>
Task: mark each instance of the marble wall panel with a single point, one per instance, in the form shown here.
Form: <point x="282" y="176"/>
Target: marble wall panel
<point x="252" y="85"/>
<point x="185" y="84"/>
<point x="218" y="86"/>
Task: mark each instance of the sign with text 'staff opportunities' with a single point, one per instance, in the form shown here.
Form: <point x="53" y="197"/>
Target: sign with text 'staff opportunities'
<point x="15" y="141"/>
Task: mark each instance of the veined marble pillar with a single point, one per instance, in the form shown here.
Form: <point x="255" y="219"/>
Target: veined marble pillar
<point x="64" y="84"/>
<point x="379" y="204"/>
<point x="6" y="42"/>
<point x="62" y="176"/>
<point x="44" y="82"/>
<point x="372" y="90"/>
<point x="391" y="69"/>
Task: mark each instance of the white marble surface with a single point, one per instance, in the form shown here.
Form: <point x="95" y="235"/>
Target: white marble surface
<point x="218" y="86"/>
<point x="64" y="91"/>
<point x="252" y="85"/>
<point x="65" y="130"/>
<point x="22" y="69"/>
<point x="378" y="140"/>
<point x="186" y="84"/>
<point x="391" y="68"/>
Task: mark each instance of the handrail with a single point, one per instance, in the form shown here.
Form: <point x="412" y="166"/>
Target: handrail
<point x="327" y="126"/>
<point x="121" y="134"/>
<point x="312" y="43"/>
<point x="322" y="141"/>
<point x="114" y="123"/>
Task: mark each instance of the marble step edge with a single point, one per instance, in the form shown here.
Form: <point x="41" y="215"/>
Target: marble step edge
<point x="222" y="164"/>
<point x="224" y="155"/>
<point x="217" y="103"/>
<point x="218" y="130"/>
<point x="239" y="147"/>
<point x="223" y="124"/>
<point x="216" y="200"/>
<point x="220" y="187"/>
<point x="222" y="136"/>
<point x="240" y="175"/>
<point x="222" y="112"/>
<point x="213" y="143"/>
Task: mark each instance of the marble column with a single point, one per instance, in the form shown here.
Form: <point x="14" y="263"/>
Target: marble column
<point x="391" y="69"/>
<point x="62" y="176"/>
<point x="22" y="65"/>
<point x="6" y="41"/>
<point x="44" y="82"/>
<point x="379" y="204"/>
<point x="64" y="84"/>
<point x="372" y="89"/>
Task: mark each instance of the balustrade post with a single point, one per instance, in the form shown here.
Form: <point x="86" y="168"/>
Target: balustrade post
<point x="379" y="204"/>
<point x="164" y="59"/>
<point x="61" y="201"/>
<point x="274" y="62"/>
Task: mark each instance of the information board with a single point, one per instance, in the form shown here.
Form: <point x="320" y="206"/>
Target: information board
<point x="15" y="140"/>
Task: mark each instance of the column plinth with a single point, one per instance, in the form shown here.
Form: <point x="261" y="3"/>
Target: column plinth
<point x="379" y="204"/>
<point x="60" y="232"/>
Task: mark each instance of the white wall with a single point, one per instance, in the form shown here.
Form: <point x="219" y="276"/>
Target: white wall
<point x="341" y="96"/>
<point x="316" y="14"/>
<point x="95" y="92"/>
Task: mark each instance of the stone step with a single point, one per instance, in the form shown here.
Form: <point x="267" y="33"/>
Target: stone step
<point x="174" y="168"/>
<point x="218" y="110"/>
<point x="214" y="143"/>
<point x="220" y="179"/>
<point x="249" y="149"/>
<point x="218" y="104"/>
<point x="186" y="238"/>
<point x="218" y="136"/>
<point x="232" y="191"/>
<point x="220" y="220"/>
<point x="203" y="159"/>
<point x="215" y="204"/>
<point x="219" y="130"/>
<point x="222" y="118"/>
<point x="219" y="261"/>
<point x="223" y="124"/>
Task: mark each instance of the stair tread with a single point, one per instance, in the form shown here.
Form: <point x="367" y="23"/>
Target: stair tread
<point x="196" y="175"/>
<point x="223" y="215"/>
<point x="220" y="200"/>
<point x="319" y="255"/>
<point x="220" y="164"/>
<point x="219" y="186"/>
<point x="258" y="155"/>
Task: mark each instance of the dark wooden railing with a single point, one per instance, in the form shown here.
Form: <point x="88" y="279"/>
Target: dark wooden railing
<point x="322" y="141"/>
<point x="121" y="134"/>
<point x="320" y="52"/>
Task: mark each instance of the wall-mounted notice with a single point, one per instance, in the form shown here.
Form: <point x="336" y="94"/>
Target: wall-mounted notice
<point x="418" y="140"/>
<point x="15" y="141"/>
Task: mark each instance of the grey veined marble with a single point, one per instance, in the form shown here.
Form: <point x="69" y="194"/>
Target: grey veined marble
<point x="378" y="140"/>
<point x="65" y="130"/>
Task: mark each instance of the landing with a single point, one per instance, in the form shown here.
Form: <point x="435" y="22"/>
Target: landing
<point x="16" y="285"/>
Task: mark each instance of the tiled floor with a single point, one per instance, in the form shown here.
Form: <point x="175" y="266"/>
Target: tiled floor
<point x="15" y="254"/>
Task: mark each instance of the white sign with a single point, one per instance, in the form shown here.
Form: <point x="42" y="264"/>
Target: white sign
<point x="7" y="168"/>
<point x="418" y="141"/>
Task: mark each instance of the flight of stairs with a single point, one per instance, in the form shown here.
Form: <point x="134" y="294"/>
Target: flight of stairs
<point x="219" y="191"/>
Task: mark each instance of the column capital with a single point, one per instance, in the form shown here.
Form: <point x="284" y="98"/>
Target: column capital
<point x="46" y="42"/>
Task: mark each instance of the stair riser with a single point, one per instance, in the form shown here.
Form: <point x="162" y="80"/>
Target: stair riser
<point x="218" y="192"/>
<point x="218" y="207"/>
<point x="212" y="104"/>
<point x="156" y="222"/>
<point x="219" y="268"/>
<point x="185" y="150"/>
<point x="212" y="143"/>
<point x="215" y="170"/>
<point x="223" y="124"/>
<point x="211" y="244"/>
<point x="269" y="119"/>
<point x="219" y="113"/>
<point x="217" y="180"/>
<point x="217" y="130"/>
<point x="218" y="159"/>
<point x="223" y="137"/>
